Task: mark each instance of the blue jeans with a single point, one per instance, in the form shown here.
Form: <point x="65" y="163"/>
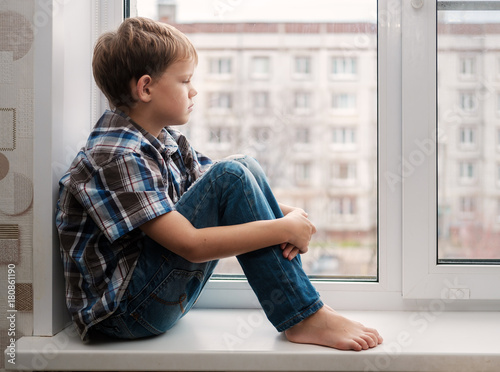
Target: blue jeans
<point x="164" y="286"/>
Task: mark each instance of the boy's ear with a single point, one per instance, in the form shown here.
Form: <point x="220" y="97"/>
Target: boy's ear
<point x="141" y="88"/>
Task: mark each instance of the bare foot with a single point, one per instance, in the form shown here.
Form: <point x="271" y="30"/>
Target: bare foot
<point x="328" y="328"/>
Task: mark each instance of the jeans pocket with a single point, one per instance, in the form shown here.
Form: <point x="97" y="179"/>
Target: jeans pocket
<point x="169" y="301"/>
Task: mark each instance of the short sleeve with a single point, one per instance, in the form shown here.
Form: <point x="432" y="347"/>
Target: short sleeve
<point x="124" y="194"/>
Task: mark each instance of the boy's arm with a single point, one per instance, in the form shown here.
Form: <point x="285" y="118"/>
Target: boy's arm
<point x="173" y="231"/>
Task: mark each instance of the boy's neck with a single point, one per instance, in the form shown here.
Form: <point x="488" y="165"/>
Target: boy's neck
<point x="141" y="118"/>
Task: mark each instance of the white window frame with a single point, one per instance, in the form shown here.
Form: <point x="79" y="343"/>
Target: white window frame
<point x="423" y="277"/>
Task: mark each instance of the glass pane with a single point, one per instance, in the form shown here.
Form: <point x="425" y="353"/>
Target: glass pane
<point x="468" y="131"/>
<point x="293" y="84"/>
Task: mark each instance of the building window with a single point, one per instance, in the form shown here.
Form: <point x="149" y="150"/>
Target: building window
<point x="261" y="135"/>
<point x="220" y="101"/>
<point x="468" y="101"/>
<point x="343" y="206"/>
<point x="467" y="205"/>
<point x="303" y="173"/>
<point x="260" y="68"/>
<point x="221" y="66"/>
<point x="344" y="101"/>
<point x="467" y="138"/>
<point x="302" y="101"/>
<point x="220" y="135"/>
<point x="302" y="67"/>
<point x="467" y="172"/>
<point x="260" y="100"/>
<point x="302" y="136"/>
<point x="344" y="67"/>
<point x="467" y="67"/>
<point x="344" y="136"/>
<point x="343" y="173"/>
<point x="498" y="175"/>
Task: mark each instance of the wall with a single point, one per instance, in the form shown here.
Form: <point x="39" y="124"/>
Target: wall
<point x="16" y="169"/>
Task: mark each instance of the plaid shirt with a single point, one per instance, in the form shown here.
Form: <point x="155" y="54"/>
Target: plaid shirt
<point x="122" y="178"/>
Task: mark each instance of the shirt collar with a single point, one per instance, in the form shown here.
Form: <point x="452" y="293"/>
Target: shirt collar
<point x="164" y="143"/>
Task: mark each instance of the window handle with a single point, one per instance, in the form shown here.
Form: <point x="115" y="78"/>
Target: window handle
<point x="417" y="4"/>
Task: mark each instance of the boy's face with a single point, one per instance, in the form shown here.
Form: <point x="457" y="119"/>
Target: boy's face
<point x="172" y="94"/>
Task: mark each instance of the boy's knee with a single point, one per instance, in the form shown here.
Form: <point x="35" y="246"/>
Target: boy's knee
<point x="241" y="166"/>
<point x="229" y="166"/>
<point x="235" y="157"/>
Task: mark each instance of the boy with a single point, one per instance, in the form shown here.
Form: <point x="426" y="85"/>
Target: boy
<point x="143" y="218"/>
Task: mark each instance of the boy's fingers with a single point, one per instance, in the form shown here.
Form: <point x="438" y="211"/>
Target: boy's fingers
<point x="287" y="251"/>
<point x="293" y="253"/>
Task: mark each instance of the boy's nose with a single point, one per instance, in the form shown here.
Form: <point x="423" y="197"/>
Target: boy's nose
<point x="193" y="92"/>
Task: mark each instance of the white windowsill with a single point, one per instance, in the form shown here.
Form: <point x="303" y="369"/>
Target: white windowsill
<point x="242" y="340"/>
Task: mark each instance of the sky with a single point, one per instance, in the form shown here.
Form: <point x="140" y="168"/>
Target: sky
<point x="267" y="10"/>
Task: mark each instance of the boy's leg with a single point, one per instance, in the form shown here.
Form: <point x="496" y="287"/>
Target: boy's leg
<point x="284" y="291"/>
<point x="235" y="192"/>
<point x="163" y="288"/>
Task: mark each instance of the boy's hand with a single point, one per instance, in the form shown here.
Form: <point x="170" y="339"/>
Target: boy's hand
<point x="289" y="251"/>
<point x="301" y="232"/>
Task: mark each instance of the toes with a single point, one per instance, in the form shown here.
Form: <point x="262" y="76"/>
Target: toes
<point x="374" y="335"/>
<point x="362" y="342"/>
<point x="371" y="340"/>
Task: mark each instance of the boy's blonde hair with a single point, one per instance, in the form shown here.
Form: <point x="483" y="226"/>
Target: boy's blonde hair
<point x="139" y="47"/>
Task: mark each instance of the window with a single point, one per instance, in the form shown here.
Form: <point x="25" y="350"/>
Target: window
<point x="452" y="217"/>
<point x="260" y="101"/>
<point x="344" y="67"/>
<point x="467" y="139"/>
<point x="467" y="67"/>
<point x="303" y="173"/>
<point x="343" y="208"/>
<point x="498" y="174"/>
<point x="467" y="206"/>
<point x="302" y="101"/>
<point x="220" y="135"/>
<point x="468" y="102"/>
<point x="221" y="66"/>
<point x="239" y="55"/>
<point x="343" y="173"/>
<point x="302" y="136"/>
<point x="302" y="67"/>
<point x="261" y="135"/>
<point x="344" y="136"/>
<point x="344" y="101"/>
<point x="221" y="100"/>
<point x="420" y="218"/>
<point x="467" y="172"/>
